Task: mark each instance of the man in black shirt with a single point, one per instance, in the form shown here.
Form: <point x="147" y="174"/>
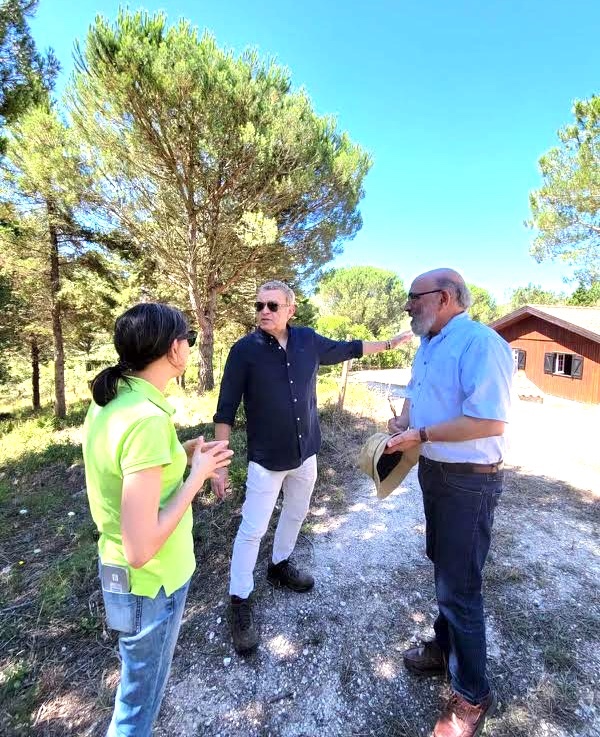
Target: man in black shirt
<point x="274" y="370"/>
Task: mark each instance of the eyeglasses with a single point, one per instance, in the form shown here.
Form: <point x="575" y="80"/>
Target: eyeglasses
<point x="412" y="296"/>
<point x="190" y="336"/>
<point x="273" y="306"/>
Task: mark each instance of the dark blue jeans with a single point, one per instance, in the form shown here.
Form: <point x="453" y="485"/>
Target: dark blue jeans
<point x="459" y="512"/>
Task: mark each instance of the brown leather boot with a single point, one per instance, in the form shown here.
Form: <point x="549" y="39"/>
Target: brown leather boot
<point x="428" y="659"/>
<point x="461" y="719"/>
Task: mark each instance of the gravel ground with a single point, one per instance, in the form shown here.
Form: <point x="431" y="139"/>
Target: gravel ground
<point x="330" y="661"/>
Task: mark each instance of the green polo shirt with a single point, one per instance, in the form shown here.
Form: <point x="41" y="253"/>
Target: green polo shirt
<point x="132" y="432"/>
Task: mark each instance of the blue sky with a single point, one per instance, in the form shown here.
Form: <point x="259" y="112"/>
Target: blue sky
<point x="455" y="100"/>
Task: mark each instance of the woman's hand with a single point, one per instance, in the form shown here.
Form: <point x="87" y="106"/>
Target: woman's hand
<point x="190" y="446"/>
<point x="208" y="458"/>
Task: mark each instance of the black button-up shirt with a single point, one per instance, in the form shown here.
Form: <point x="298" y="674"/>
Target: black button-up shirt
<point x="279" y="391"/>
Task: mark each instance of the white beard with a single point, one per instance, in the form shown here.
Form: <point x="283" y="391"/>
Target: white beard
<point x="422" y="324"/>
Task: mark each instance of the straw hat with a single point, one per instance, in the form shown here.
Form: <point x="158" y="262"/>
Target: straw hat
<point x="387" y="470"/>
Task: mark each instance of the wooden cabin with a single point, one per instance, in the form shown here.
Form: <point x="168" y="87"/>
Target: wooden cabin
<point x="557" y="347"/>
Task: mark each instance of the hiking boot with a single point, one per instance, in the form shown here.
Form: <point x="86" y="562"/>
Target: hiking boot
<point x="286" y="574"/>
<point x="462" y="719"/>
<point x="243" y="630"/>
<point x="428" y="659"/>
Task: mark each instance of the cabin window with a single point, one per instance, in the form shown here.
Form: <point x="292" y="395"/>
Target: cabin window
<point x="519" y="359"/>
<point x="563" y="364"/>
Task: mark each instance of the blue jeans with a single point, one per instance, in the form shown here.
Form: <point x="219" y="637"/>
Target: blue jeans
<point x="459" y="513"/>
<point x="148" y="634"/>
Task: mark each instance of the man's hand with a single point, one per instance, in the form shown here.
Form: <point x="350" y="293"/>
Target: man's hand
<point x="401" y="338"/>
<point x="403" y="441"/>
<point x="396" y="424"/>
<point x="220" y="484"/>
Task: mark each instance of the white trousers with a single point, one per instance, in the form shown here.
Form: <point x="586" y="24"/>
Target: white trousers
<point x="262" y="490"/>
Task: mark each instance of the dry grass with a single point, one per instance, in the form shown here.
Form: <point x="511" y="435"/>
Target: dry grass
<point x="58" y="664"/>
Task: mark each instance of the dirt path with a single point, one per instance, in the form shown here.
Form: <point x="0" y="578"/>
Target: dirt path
<point x="330" y="661"/>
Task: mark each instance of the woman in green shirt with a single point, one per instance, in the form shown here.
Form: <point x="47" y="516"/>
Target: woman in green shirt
<point x="134" y="467"/>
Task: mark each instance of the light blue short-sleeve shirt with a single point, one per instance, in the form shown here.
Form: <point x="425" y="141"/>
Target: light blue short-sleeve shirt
<point x="466" y="369"/>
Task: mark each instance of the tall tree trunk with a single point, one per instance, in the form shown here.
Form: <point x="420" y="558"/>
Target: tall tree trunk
<point x="206" y="377"/>
<point x="205" y="315"/>
<point x="35" y="374"/>
<point x="206" y="321"/>
<point x="60" y="405"/>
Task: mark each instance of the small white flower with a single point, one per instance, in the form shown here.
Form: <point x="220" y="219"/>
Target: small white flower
<point x="226" y="661"/>
<point x="23" y="511"/>
<point x="70" y="514"/>
<point x="37" y="550"/>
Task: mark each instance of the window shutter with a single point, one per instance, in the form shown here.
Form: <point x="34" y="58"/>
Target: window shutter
<point x="521" y="360"/>
<point x="548" y="363"/>
<point x="577" y="367"/>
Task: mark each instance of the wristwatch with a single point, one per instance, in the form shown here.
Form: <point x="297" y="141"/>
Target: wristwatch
<point x="423" y="435"/>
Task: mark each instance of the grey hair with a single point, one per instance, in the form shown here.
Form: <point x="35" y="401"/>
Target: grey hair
<point x="460" y="290"/>
<point x="283" y="287"/>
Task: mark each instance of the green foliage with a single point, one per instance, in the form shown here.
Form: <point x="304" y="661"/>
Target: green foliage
<point x="72" y="573"/>
<point x="8" y="326"/>
<point x="483" y="306"/>
<point x="213" y="167"/>
<point x="534" y="294"/>
<point x="566" y="209"/>
<point x="306" y="312"/>
<point x="26" y="76"/>
<point x="53" y="260"/>
<point x="339" y="327"/>
<point x="365" y="295"/>
<point x="586" y="296"/>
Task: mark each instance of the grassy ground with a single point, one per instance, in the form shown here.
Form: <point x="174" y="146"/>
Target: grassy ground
<point x="58" y="664"/>
<point x="55" y="652"/>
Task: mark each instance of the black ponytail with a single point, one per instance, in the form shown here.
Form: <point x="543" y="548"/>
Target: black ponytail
<point x="143" y="334"/>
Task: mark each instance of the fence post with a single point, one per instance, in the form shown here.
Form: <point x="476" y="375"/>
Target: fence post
<point x="342" y="394"/>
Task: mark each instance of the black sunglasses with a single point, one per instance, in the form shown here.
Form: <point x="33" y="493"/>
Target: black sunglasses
<point x="416" y="295"/>
<point x="190" y="336"/>
<point x="273" y="306"/>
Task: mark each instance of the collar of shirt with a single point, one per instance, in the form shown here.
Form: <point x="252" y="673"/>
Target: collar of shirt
<point x="452" y="324"/>
<point x="147" y="390"/>
<point x="268" y="338"/>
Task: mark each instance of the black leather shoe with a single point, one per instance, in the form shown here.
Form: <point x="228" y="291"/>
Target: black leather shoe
<point x="243" y="630"/>
<point x="286" y="574"/>
<point x="426" y="660"/>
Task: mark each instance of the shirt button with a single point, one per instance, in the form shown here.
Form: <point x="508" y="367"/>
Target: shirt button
<point x="299" y="436"/>
<point x="298" y="419"/>
<point x="295" y="400"/>
<point x="279" y="347"/>
<point x="288" y="364"/>
<point x="291" y="381"/>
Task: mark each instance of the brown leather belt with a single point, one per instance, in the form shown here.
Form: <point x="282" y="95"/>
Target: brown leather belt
<point x="469" y="467"/>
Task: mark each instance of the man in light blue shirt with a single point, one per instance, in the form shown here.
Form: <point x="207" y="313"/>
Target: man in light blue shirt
<point x="457" y="405"/>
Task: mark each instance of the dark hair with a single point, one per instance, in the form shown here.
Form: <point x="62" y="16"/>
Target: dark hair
<point x="142" y="335"/>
